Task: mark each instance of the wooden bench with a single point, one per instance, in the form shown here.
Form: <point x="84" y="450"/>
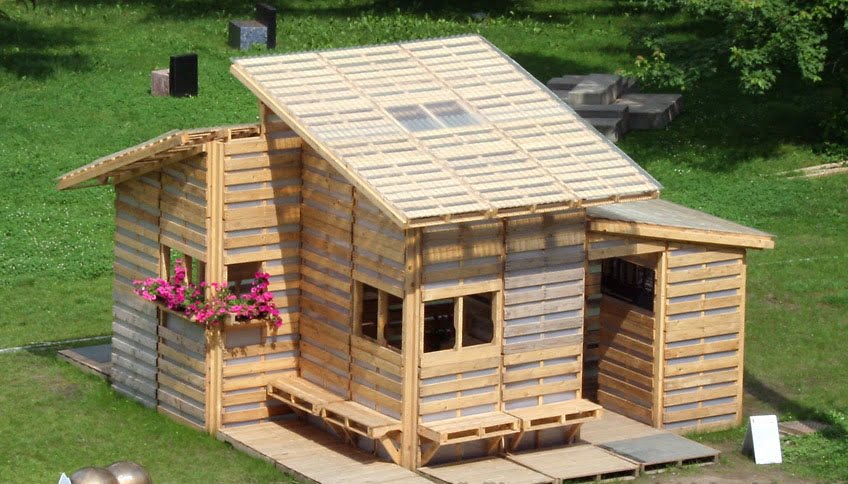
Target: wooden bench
<point x="484" y="426"/>
<point x="349" y="416"/>
<point x="572" y="413"/>
<point x="301" y="394"/>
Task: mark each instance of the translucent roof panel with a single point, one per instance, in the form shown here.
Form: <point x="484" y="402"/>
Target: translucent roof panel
<point x="443" y="127"/>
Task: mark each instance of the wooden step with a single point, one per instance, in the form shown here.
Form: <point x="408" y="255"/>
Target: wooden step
<point x="302" y="394"/>
<point x="360" y="419"/>
<point x="472" y="427"/>
<point x="557" y="414"/>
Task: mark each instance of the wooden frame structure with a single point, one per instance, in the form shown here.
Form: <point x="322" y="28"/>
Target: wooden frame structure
<point x="474" y="206"/>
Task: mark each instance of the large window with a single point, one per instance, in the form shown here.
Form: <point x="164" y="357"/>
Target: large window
<point x="629" y="282"/>
<point x="379" y="316"/>
<point x="459" y="322"/>
<point x="195" y="269"/>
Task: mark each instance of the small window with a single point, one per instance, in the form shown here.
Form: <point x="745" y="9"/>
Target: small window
<point x="446" y="114"/>
<point x="380" y="316"/>
<point x="629" y="282"/>
<point x="240" y="276"/>
<point x="451" y="114"/>
<point x="414" y="118"/>
<point x="195" y="269"/>
<point x="471" y="317"/>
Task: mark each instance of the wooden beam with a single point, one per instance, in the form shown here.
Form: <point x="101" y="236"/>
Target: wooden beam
<point x="215" y="272"/>
<point x="660" y="311"/>
<point x="413" y="329"/>
<point x="681" y="233"/>
<point x="740" y="390"/>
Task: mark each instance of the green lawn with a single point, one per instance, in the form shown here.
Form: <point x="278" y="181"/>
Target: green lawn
<point x="74" y="80"/>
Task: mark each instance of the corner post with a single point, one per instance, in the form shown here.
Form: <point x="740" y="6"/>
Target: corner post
<point x="412" y="347"/>
<point x="660" y="303"/>
<point x="215" y="272"/>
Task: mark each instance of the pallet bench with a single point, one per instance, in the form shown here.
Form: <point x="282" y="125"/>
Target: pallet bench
<point x="572" y="413"/>
<point x="485" y="426"/>
<point x="347" y="418"/>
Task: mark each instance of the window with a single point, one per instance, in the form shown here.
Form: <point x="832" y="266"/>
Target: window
<point x="240" y="276"/>
<point x="471" y="317"/>
<point x="629" y="282"/>
<point x="379" y="316"/>
<point x="195" y="269"/>
<point x="445" y="114"/>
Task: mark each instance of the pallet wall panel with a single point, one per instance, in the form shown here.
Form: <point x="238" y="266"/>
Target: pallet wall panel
<point x="544" y="288"/>
<point x="182" y="203"/>
<point x="704" y="338"/>
<point x="326" y="284"/>
<point x="181" y="375"/>
<point x="135" y="321"/>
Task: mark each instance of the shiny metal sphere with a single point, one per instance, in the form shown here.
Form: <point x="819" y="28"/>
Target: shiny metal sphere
<point x="130" y="473"/>
<point x="93" y="475"/>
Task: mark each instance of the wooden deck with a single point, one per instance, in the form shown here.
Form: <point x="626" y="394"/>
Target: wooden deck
<point x="611" y="448"/>
<point x="309" y="453"/>
<point x="96" y="359"/>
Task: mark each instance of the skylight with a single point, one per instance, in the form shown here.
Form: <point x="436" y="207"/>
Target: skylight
<point x="446" y="114"/>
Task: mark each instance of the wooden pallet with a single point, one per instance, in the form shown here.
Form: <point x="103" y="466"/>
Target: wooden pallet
<point x="557" y="414"/>
<point x="302" y="394"/>
<point x="473" y="427"/>
<point x="577" y="463"/>
<point x="360" y="419"/>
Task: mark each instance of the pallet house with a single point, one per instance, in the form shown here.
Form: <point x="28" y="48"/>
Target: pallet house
<point x="462" y="263"/>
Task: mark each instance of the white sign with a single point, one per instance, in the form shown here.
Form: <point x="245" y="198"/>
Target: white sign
<point x="64" y="479"/>
<point x="763" y="440"/>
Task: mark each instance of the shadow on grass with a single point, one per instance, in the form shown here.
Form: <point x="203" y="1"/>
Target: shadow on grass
<point x="29" y="51"/>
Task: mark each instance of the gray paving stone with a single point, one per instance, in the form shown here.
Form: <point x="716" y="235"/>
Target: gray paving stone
<point x="596" y="89"/>
<point x="651" y="111"/>
<point x="612" y="128"/>
<point x="564" y="83"/>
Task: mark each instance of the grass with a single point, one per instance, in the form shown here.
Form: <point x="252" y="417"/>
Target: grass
<point x="54" y="419"/>
<point x="74" y="86"/>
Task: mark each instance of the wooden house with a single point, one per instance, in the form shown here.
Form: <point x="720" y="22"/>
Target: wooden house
<point x="462" y="263"/>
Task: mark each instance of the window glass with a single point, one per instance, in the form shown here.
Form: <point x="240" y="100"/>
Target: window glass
<point x="413" y="118"/>
<point x="451" y="114"/>
<point x="439" y="325"/>
<point x="478" y="328"/>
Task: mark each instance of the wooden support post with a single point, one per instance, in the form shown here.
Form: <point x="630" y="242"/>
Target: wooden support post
<point x="412" y="348"/>
<point x="215" y="272"/>
<point x="660" y="304"/>
<point x="741" y="354"/>
<point x="382" y="316"/>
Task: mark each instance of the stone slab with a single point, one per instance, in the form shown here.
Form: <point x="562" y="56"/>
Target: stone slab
<point x="160" y="82"/>
<point x="662" y="450"/>
<point x="596" y="89"/>
<point x="612" y="128"/>
<point x="564" y="83"/>
<point x="651" y="111"/>
<point x="244" y="34"/>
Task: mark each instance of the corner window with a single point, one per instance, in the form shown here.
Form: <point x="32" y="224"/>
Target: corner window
<point x="629" y="282"/>
<point x="240" y="276"/>
<point x="379" y="316"/>
<point x="459" y="322"/>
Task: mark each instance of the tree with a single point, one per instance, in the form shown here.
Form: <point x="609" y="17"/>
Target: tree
<point x="760" y="39"/>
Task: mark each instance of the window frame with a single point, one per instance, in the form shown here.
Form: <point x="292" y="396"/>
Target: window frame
<point x="165" y="265"/>
<point x="459" y="320"/>
<point x="383" y="312"/>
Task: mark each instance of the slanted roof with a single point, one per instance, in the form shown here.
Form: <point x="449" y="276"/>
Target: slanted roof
<point x="443" y="129"/>
<point x="665" y="220"/>
<point x="150" y="155"/>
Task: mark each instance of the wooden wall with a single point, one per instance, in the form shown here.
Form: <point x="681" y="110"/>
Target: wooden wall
<point x="626" y="363"/>
<point x="254" y="356"/>
<point x="464" y="257"/>
<point x="182" y="204"/>
<point x="592" y="330"/>
<point x="181" y="375"/>
<point x="326" y="283"/>
<point x="704" y="337"/>
<point x="134" y="327"/>
<point x="543" y="309"/>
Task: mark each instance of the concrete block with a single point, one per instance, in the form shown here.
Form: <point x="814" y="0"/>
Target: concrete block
<point x="612" y="128"/>
<point x="244" y="34"/>
<point x="160" y="82"/>
<point x="596" y="89"/>
<point x="564" y="83"/>
<point x="651" y="111"/>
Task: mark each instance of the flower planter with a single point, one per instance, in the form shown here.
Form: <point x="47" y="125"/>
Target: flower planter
<point x="229" y="320"/>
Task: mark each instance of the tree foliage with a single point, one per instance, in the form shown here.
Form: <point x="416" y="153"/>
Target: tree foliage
<point x="760" y="39"/>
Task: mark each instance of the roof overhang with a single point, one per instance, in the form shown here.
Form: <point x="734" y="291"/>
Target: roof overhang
<point x="662" y="220"/>
<point x="150" y="155"/>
